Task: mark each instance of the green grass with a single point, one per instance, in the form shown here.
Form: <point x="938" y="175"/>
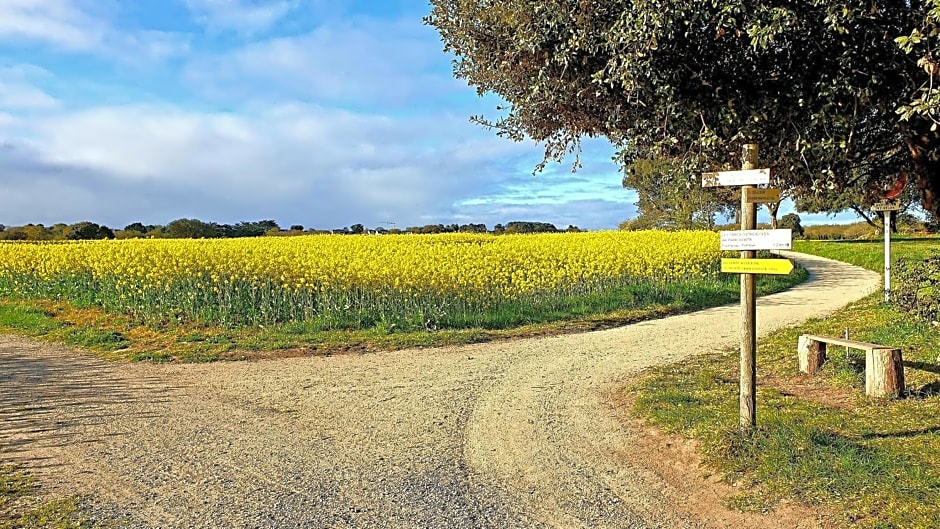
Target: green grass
<point x="819" y="440"/>
<point x="870" y="253"/>
<point x="21" y="509"/>
<point x="28" y="319"/>
<point x="32" y="319"/>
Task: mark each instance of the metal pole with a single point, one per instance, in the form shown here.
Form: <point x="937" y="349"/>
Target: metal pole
<point x="748" y="376"/>
<point x="887" y="256"/>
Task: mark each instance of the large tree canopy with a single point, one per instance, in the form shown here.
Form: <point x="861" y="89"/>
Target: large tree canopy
<point x="817" y="83"/>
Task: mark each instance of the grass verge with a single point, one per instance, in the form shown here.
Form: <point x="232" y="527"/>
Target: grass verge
<point x="119" y="336"/>
<point x="819" y="440"/>
<point x="21" y="509"/>
<point x="870" y="253"/>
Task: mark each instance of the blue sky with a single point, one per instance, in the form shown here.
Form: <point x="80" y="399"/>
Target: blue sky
<point x="314" y="112"/>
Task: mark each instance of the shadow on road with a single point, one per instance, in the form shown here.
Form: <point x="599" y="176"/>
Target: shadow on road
<point x="47" y="395"/>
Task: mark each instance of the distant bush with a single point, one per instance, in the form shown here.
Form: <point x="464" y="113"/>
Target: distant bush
<point x="854" y="231"/>
<point x="792" y="221"/>
<point x="917" y="287"/>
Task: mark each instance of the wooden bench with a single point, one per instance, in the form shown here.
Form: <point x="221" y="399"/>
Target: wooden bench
<point x="884" y="366"/>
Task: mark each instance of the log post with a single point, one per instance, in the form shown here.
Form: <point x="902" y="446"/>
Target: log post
<point x="812" y="355"/>
<point x="748" y="372"/>
<point x="884" y="373"/>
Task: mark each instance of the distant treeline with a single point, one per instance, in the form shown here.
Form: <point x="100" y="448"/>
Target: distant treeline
<point x="197" y="229"/>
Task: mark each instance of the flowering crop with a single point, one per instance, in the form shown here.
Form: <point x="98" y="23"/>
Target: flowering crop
<point x="343" y="281"/>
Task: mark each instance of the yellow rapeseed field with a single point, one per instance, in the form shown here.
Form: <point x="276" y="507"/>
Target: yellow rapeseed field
<point x="284" y="278"/>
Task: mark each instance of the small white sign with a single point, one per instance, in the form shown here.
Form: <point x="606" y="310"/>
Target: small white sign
<point x="743" y="240"/>
<point x="750" y="177"/>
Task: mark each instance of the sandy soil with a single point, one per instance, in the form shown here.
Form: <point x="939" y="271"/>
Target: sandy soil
<point x="518" y="434"/>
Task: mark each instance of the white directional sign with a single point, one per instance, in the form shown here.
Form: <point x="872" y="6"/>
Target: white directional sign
<point x="750" y="177"/>
<point x="743" y="240"/>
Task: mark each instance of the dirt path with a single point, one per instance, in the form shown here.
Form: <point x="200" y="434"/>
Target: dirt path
<point x="518" y="434"/>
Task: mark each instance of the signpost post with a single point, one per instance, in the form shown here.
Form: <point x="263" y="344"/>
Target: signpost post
<point x="887" y="206"/>
<point x="748" y="240"/>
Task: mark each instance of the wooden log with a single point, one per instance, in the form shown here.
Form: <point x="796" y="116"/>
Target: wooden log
<point x="747" y="398"/>
<point x="884" y="373"/>
<point x="812" y="355"/>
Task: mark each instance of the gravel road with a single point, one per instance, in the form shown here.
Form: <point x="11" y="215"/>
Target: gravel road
<point x="505" y="435"/>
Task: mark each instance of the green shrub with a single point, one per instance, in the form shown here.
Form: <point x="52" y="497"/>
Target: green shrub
<point x="917" y="287"/>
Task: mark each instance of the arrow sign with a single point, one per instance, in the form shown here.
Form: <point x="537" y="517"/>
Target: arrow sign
<point x="756" y="195"/>
<point x="756" y="266"/>
<point x="750" y="177"/>
<point x="743" y="240"/>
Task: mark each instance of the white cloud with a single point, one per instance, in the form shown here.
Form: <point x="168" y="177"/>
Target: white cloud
<point x="361" y="61"/>
<point x="18" y="90"/>
<point x="21" y="96"/>
<point x="83" y="26"/>
<point x="132" y="47"/>
<point x="246" y="16"/>
<point x="299" y="163"/>
<point x="8" y="121"/>
<point x="62" y="23"/>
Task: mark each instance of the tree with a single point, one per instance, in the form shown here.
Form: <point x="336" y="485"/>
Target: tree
<point x="529" y="227"/>
<point x="13" y="233"/>
<point x="246" y="229"/>
<point x="817" y="84"/>
<point x="473" y="228"/>
<point x="36" y="232"/>
<point x="857" y="201"/>
<point x="192" y="229"/>
<point x="670" y="198"/>
<point x="82" y="231"/>
<point x="792" y="221"/>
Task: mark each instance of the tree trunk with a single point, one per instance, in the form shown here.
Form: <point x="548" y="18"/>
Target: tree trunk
<point x="884" y="373"/>
<point x="812" y="355"/>
<point x="773" y="207"/>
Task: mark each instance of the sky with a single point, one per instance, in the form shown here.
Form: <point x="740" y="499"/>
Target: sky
<point x="323" y="113"/>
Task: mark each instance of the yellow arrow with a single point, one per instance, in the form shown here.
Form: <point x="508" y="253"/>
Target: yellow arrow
<point x="756" y="266"/>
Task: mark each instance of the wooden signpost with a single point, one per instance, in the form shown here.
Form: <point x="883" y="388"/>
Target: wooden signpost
<point x="887" y="206"/>
<point x="749" y="240"/>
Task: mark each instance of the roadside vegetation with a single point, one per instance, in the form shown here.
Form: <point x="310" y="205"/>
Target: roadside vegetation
<point x="202" y="300"/>
<point x="21" y="508"/>
<point x="819" y="440"/>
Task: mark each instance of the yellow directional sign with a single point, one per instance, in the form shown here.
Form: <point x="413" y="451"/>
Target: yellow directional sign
<point x="756" y="266"/>
<point x="756" y="195"/>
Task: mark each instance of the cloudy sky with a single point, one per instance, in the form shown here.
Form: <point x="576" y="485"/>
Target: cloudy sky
<point x="316" y="112"/>
<point x="323" y="113"/>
